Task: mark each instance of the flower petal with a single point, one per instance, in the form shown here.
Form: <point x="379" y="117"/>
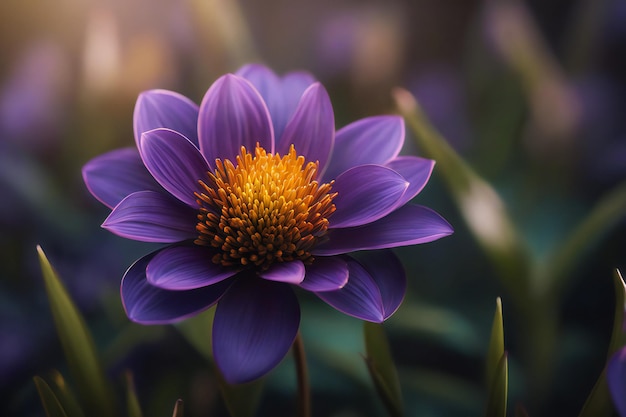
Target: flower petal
<point x="415" y="170"/>
<point x="280" y="94"/>
<point x="325" y="274"/>
<point x="162" y="108"/>
<point x="114" y="175"/>
<point x="364" y="194"/>
<point x="388" y="273"/>
<point x="147" y="304"/>
<point x="185" y="268"/>
<point x="312" y="128"/>
<point x="373" y="140"/>
<point x="409" y="225"/>
<point x="360" y="297"/>
<point x="175" y="163"/>
<point x="149" y="216"/>
<point x="293" y="85"/>
<point x="255" y="325"/>
<point x="232" y="115"/>
<point x="290" y="272"/>
<point x="616" y="378"/>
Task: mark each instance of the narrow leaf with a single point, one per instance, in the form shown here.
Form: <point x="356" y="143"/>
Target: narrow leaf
<point x="133" y="409"/>
<point x="496" y="404"/>
<point x="50" y="402"/>
<point x="78" y="346"/>
<point x="178" y="408"/>
<point x="599" y="403"/>
<point x="382" y="368"/>
<point x="618" y="335"/>
<point x="241" y="400"/>
<point x="496" y="344"/>
<point x="64" y="394"/>
<point x="480" y="205"/>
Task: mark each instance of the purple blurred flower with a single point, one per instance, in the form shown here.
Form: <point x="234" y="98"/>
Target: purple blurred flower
<point x="616" y="376"/>
<point x="255" y="193"/>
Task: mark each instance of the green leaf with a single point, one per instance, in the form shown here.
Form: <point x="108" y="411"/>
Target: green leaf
<point x="382" y="368"/>
<point x="496" y="404"/>
<point x="599" y="402"/>
<point x="497" y="367"/>
<point x="241" y="400"/>
<point x="618" y="335"/>
<point x="197" y="331"/>
<point x="49" y="400"/>
<point x="78" y="346"/>
<point x="496" y="344"/>
<point x="64" y="394"/>
<point x="133" y="409"/>
<point x="480" y="205"/>
<point x="178" y="408"/>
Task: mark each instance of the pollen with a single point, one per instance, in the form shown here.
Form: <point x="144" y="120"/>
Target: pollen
<point x="263" y="209"/>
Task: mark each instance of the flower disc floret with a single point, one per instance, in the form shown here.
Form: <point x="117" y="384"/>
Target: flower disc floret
<point x="264" y="209"/>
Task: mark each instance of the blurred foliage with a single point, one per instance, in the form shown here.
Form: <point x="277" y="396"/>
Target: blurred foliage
<point x="521" y="105"/>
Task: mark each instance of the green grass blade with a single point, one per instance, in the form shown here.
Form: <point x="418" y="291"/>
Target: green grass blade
<point x="498" y="392"/>
<point x="382" y="368"/>
<point x="78" y="346"/>
<point x="49" y="400"/>
<point x="496" y="344"/>
<point x="64" y="394"/>
<point x="133" y="409"/>
<point x="496" y="371"/>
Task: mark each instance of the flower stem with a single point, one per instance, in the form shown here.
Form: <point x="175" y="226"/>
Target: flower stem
<point x="302" y="373"/>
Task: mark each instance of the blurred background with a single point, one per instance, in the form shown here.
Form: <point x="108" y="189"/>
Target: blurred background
<point x="530" y="94"/>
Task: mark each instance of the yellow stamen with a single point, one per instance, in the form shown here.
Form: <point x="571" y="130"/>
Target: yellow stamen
<point x="264" y="209"/>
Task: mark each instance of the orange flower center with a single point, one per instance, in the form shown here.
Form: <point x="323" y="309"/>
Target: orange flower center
<point x="264" y="209"/>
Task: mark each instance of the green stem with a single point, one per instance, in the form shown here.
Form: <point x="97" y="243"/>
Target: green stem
<point x="302" y="373"/>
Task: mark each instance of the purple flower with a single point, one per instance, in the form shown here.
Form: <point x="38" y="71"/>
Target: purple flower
<point x="255" y="193"/>
<point x="616" y="377"/>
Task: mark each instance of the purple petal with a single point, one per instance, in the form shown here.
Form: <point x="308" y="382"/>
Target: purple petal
<point x="360" y="297"/>
<point x="415" y="170"/>
<point x="185" y="268"/>
<point x="280" y="95"/>
<point x="325" y="274"/>
<point x="114" y="175"/>
<point x="292" y="86"/>
<point x="387" y="271"/>
<point x="255" y="325"/>
<point x="289" y="272"/>
<point x="616" y="378"/>
<point x="233" y="114"/>
<point x="373" y="140"/>
<point x="409" y="225"/>
<point x="312" y="128"/>
<point x="175" y="163"/>
<point x="147" y="304"/>
<point x="162" y="108"/>
<point x="366" y="193"/>
<point x="150" y="216"/>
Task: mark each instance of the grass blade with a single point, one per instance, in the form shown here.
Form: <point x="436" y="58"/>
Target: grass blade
<point x="78" y="346"/>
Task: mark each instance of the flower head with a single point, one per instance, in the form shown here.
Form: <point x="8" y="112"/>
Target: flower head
<point x="254" y="193"/>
